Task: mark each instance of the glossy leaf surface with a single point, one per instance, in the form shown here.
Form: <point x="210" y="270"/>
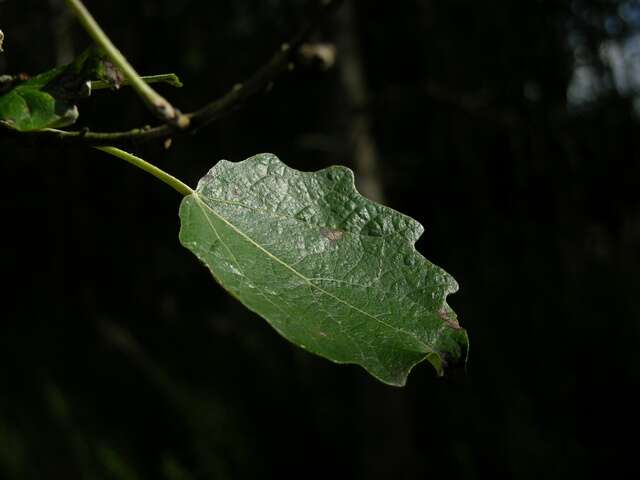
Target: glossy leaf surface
<point x="29" y="106"/>
<point x="330" y="270"/>
<point x="48" y="100"/>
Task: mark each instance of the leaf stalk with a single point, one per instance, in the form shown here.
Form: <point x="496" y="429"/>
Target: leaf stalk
<point x="160" y="174"/>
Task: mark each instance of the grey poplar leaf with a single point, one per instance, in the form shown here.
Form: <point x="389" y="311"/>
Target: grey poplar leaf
<point x="330" y="270"/>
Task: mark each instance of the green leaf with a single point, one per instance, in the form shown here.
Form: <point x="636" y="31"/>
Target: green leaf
<point x="73" y="81"/>
<point x="330" y="270"/>
<point x="29" y="107"/>
<point x="47" y="100"/>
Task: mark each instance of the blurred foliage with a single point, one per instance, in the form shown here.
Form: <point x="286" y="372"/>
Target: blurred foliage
<point x="120" y="360"/>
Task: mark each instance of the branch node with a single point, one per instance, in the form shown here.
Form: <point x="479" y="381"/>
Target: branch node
<point x="321" y="56"/>
<point x="156" y="103"/>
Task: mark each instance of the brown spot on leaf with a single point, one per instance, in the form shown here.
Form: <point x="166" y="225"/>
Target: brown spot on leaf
<point x="331" y="234"/>
<point x="449" y="318"/>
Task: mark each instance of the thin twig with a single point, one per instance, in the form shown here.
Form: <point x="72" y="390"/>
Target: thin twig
<point x="158" y="105"/>
<point x="277" y="64"/>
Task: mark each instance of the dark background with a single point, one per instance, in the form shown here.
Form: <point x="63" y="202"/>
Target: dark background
<point x="120" y="358"/>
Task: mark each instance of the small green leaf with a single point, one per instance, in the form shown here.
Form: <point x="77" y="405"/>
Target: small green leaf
<point x="73" y="81"/>
<point x="29" y="107"/>
<point x="47" y="100"/>
<point x="330" y="270"/>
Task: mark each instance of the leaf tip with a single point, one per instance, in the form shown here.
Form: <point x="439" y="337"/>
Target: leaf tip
<point x="175" y="81"/>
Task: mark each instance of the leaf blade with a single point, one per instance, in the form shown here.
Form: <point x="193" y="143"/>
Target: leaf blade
<point x="48" y="100"/>
<point x="27" y="107"/>
<point x="307" y="252"/>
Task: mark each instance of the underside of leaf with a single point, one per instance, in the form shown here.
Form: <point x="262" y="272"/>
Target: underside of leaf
<point x="330" y="270"/>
